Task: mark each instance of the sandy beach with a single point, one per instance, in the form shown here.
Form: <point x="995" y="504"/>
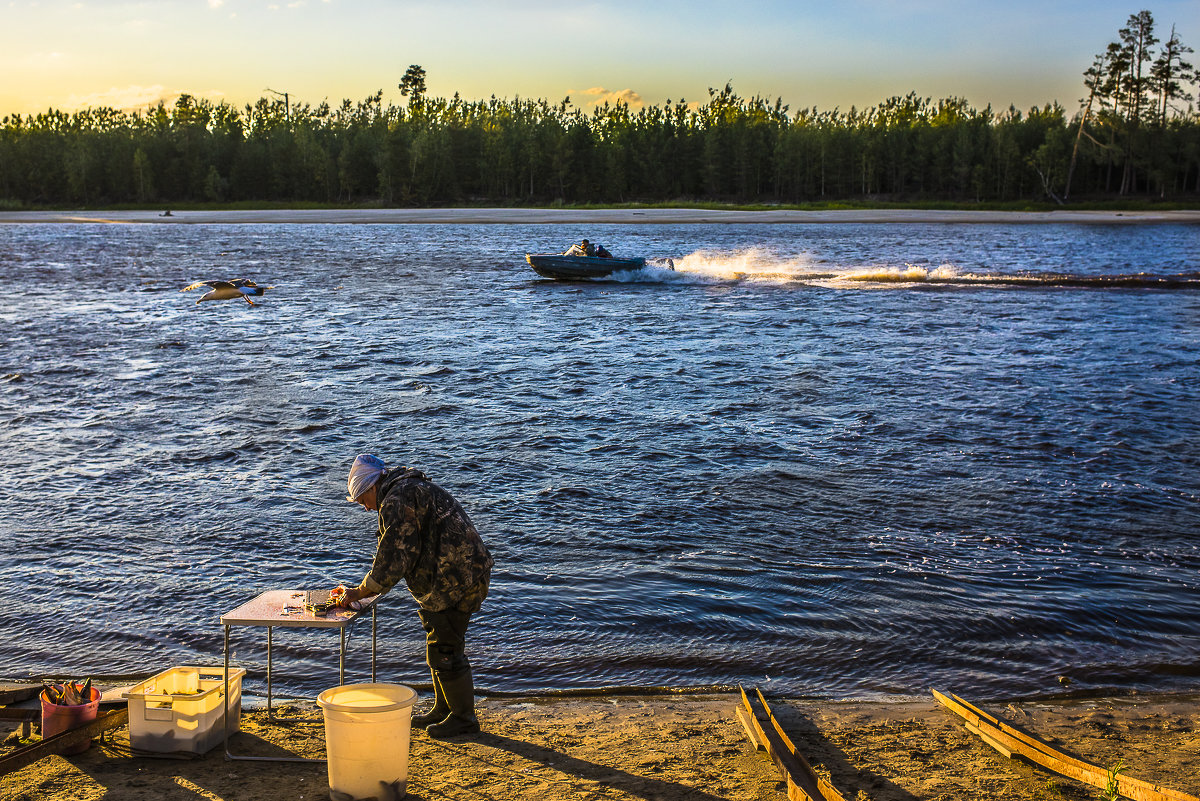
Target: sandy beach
<point x="666" y="747"/>
<point x="485" y="216"/>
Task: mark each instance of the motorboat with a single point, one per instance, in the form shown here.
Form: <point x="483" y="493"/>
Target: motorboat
<point x="577" y="268"/>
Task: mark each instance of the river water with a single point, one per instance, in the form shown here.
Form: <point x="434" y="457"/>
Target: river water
<point x="830" y="460"/>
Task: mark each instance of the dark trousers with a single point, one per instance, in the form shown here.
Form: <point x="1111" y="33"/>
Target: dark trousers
<point x="445" y="641"/>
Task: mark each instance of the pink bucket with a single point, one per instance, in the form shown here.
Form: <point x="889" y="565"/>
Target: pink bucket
<point x="57" y="718"/>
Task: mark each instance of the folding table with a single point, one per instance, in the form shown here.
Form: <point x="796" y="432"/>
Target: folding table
<point x="285" y="608"/>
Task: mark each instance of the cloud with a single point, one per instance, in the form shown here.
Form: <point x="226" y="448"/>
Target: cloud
<point x="600" y="96"/>
<point x="215" y="3"/>
<point x="134" y="98"/>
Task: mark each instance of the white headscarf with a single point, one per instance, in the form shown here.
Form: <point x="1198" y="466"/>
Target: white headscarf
<point x="365" y="471"/>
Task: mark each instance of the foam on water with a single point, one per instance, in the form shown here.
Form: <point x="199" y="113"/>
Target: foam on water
<point x="760" y="265"/>
<point x="751" y="265"/>
<point x="906" y="274"/>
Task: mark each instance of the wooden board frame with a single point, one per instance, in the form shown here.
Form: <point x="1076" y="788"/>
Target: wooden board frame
<point x="60" y="742"/>
<point x="803" y="783"/>
<point x="14" y="692"/>
<point x="1014" y="743"/>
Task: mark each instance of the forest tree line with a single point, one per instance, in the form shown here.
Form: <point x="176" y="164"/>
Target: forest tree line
<point x="1136" y="134"/>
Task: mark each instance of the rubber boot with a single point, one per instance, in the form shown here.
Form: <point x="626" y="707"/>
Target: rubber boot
<point x="460" y="695"/>
<point x="440" y="709"/>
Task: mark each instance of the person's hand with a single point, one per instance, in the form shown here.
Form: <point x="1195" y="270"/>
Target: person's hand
<point x="340" y="595"/>
<point x="348" y="597"/>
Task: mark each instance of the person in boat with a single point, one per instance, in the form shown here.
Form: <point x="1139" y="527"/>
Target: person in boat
<point x="585" y="248"/>
<point x="602" y="253"/>
<point x="426" y="539"/>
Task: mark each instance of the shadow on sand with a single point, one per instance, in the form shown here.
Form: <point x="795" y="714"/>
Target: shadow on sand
<point x="849" y="780"/>
<point x="579" y="775"/>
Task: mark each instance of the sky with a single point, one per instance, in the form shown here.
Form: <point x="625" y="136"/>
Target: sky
<point x="825" y="54"/>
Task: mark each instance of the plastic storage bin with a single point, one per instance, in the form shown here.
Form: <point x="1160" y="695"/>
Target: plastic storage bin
<point x="366" y="739"/>
<point x="183" y="709"/>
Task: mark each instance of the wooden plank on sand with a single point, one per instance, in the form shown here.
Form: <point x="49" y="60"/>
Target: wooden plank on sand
<point x="827" y="790"/>
<point x="60" y="742"/>
<point x="11" y="693"/>
<point x="1013" y="743"/>
<point x="746" y="719"/>
<point x="803" y="784"/>
<point x="19" y="713"/>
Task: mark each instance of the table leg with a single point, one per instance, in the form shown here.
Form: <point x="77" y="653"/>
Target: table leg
<point x="270" y="713"/>
<point x="342" y="658"/>
<point x="372" y="643"/>
<point x="228" y="755"/>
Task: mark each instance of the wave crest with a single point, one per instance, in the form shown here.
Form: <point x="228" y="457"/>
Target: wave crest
<point x="760" y="265"/>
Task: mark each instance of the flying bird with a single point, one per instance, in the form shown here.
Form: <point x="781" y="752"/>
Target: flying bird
<point x="227" y="290"/>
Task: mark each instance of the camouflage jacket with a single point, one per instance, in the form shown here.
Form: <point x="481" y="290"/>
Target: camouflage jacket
<point x="427" y="539"/>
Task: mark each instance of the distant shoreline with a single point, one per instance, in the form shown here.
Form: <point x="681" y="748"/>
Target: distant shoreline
<point x="485" y="216"/>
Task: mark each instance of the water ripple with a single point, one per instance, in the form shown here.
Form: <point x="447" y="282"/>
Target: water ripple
<point x="829" y="460"/>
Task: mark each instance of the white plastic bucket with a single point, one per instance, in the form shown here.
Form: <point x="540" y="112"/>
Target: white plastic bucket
<point x="366" y="737"/>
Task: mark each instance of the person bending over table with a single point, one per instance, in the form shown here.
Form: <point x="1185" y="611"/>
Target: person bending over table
<point x="426" y="539"/>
